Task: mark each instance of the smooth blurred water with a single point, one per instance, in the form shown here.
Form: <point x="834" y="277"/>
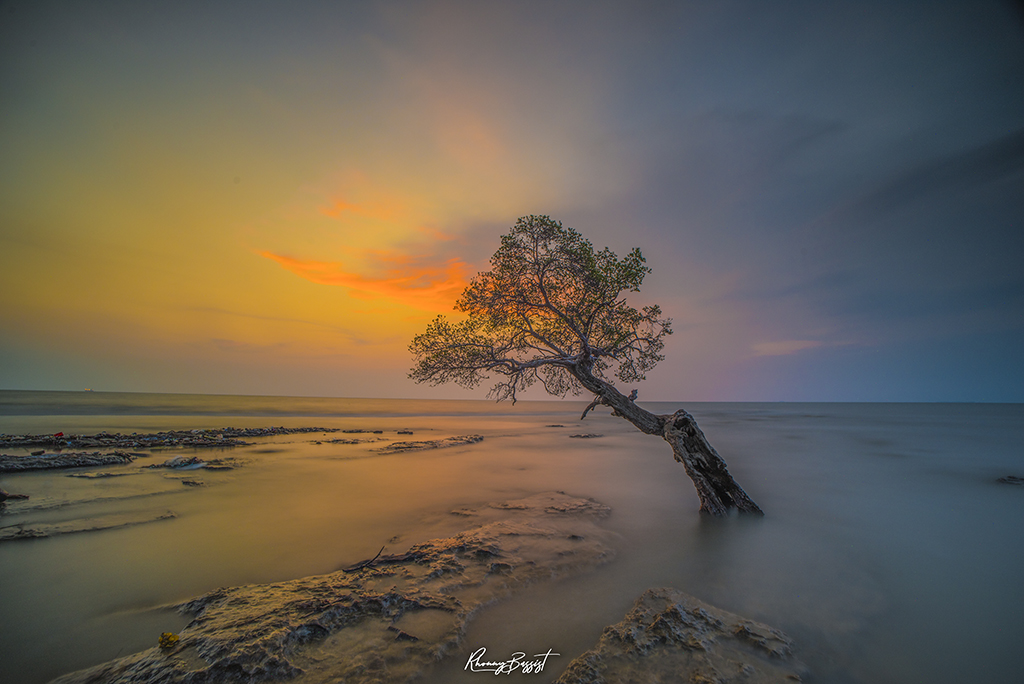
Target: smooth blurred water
<point x="889" y="551"/>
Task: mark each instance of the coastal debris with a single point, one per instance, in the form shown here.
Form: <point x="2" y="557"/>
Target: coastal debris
<point x="12" y="463"/>
<point x="672" y="636"/>
<point x="587" y="435"/>
<point x="41" y="530"/>
<point x="1012" y="479"/>
<point x="219" y="437"/>
<point x="383" y="623"/>
<point x="365" y="564"/>
<point x="402" y="447"/>
<point x="5" y="496"/>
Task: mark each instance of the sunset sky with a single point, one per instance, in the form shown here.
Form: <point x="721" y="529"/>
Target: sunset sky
<point x="273" y="198"/>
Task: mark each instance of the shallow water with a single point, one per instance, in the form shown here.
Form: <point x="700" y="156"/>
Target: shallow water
<point x="889" y="552"/>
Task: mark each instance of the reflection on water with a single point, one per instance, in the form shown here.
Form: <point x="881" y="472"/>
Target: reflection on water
<point x="889" y="552"/>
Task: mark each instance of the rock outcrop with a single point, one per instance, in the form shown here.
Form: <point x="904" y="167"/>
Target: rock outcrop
<point x="670" y="636"/>
<point x="108" y="522"/>
<point x="219" y="437"/>
<point x="401" y="447"/>
<point x="5" y="495"/>
<point x="14" y="464"/>
<point x="385" y="620"/>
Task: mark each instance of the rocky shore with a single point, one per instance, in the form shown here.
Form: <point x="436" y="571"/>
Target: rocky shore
<point x="219" y="437"/>
<point x="109" y="522"/>
<point x="195" y="439"/>
<point x="672" y="636"/>
<point x="383" y="620"/>
<point x="389" y="618"/>
<point x="402" y="447"/>
<point x="13" y="463"/>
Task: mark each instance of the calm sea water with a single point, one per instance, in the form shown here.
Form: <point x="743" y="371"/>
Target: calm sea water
<point x="889" y="551"/>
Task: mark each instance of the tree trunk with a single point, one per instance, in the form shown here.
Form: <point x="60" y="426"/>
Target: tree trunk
<point x="717" y="490"/>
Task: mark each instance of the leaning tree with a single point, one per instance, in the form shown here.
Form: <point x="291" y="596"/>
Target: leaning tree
<point x="551" y="309"/>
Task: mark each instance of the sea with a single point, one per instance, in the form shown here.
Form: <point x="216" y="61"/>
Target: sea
<point x="890" y="552"/>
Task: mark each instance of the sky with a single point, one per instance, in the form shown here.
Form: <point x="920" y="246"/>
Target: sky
<point x="273" y="198"/>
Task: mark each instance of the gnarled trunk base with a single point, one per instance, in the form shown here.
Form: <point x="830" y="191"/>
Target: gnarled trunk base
<point x="717" y="490"/>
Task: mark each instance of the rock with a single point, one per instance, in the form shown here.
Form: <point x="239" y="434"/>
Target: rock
<point x="589" y="435"/>
<point x="400" y="447"/>
<point x="13" y="464"/>
<point x="355" y="440"/>
<point x="97" y="476"/>
<point x="181" y="463"/>
<point x="402" y="636"/>
<point x="220" y="438"/>
<point x="672" y="636"/>
<point x="39" y="530"/>
<point x="1012" y="479"/>
<point x="38" y="453"/>
<point x="196" y="463"/>
<point x="386" y="622"/>
<point x="5" y="496"/>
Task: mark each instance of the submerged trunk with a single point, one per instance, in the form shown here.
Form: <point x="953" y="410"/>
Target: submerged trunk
<point x="717" y="490"/>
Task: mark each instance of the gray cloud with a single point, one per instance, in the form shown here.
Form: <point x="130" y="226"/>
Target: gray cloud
<point x="955" y="173"/>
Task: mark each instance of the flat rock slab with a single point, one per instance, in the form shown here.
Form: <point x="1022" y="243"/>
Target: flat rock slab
<point x="196" y="463"/>
<point x="210" y="437"/>
<point x="400" y="447"/>
<point x="14" y="464"/>
<point x="98" y="476"/>
<point x="42" y="530"/>
<point x="354" y="440"/>
<point x="387" y="619"/>
<point x="670" y="636"/>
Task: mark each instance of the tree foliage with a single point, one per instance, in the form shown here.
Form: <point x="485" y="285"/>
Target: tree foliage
<point x="551" y="309"/>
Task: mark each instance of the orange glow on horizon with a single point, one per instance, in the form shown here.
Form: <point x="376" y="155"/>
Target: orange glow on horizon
<point x="409" y="281"/>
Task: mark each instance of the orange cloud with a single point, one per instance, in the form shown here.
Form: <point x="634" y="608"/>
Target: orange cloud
<point x="380" y="211"/>
<point x="435" y="234"/>
<point x="338" y="208"/>
<point x="408" y="280"/>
